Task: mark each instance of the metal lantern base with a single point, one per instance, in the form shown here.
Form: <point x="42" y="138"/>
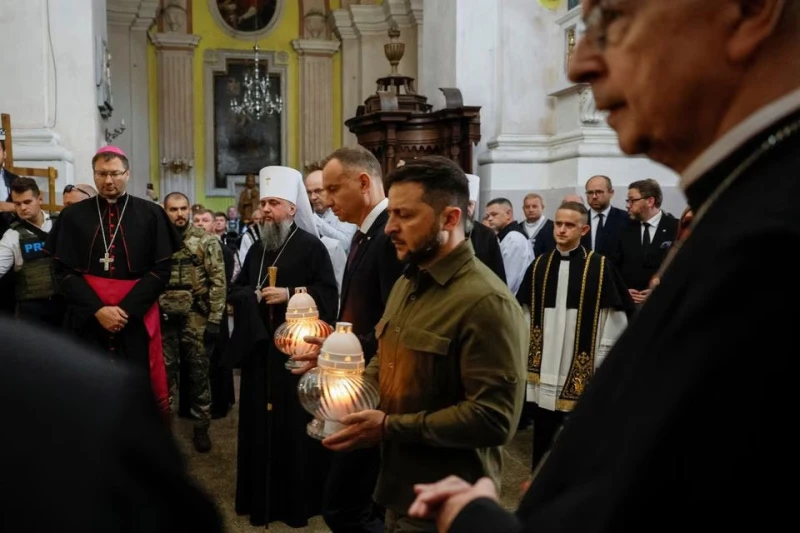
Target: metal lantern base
<point x="292" y="364"/>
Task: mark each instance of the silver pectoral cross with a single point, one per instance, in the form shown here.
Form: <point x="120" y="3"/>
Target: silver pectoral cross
<point x="106" y="260"/>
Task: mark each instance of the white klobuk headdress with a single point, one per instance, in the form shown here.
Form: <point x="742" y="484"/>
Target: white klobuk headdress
<point x="287" y="184"/>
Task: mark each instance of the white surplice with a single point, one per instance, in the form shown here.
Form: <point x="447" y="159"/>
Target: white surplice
<point x="517" y="256"/>
<point x="558" y="348"/>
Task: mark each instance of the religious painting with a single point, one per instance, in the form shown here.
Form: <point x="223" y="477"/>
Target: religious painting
<point x="246" y="17"/>
<point x="243" y="144"/>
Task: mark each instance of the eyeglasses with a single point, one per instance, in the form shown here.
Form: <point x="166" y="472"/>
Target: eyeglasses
<point x="70" y="188"/>
<point x="597" y="22"/>
<point x="630" y="201"/>
<point x="109" y="173"/>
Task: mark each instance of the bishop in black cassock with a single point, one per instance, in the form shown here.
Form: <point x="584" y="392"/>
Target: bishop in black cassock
<point x="689" y="422"/>
<point x="115" y="250"/>
<point x="280" y="469"/>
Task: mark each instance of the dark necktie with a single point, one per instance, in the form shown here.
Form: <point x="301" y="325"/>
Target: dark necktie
<point x="646" y="235"/>
<point x="600" y="230"/>
<point x="358" y="238"/>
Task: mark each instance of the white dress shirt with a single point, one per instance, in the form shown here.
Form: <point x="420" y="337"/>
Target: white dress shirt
<point x="596" y="221"/>
<point x="330" y="226"/>
<point x="651" y="230"/>
<point x="373" y="215"/>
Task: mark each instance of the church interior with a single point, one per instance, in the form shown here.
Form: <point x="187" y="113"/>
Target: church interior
<point x="201" y="94"/>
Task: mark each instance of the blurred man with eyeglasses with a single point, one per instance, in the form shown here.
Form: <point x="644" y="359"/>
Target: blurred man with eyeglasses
<point x="689" y="420"/>
<point x="113" y="255"/>
<point x="75" y="193"/>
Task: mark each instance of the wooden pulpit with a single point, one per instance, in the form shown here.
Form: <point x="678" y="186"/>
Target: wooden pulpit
<point x="397" y="124"/>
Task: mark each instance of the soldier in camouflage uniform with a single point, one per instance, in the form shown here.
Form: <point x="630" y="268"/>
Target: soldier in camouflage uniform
<point x="191" y="310"/>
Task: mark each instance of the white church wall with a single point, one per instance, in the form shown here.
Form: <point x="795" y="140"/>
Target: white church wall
<point x="50" y="83"/>
<point x="540" y="133"/>
<point x="127" y="37"/>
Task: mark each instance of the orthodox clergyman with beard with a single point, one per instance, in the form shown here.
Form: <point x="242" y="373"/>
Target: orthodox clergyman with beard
<point x="280" y="470"/>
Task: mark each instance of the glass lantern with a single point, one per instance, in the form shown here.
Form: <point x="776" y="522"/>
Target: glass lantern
<point x="302" y="320"/>
<point x="337" y="386"/>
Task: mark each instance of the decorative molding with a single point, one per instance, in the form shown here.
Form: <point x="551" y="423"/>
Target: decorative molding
<point x="316" y="47"/>
<point x="587" y="109"/>
<point x="527" y="149"/>
<point x="343" y="26"/>
<point x="416" y="11"/>
<point x="134" y="14"/>
<point x="246" y="35"/>
<point x="374" y="19"/>
<point x="216" y="61"/>
<point x="175" y="40"/>
<point x="39" y="144"/>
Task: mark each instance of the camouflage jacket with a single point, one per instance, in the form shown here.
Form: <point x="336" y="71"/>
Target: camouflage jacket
<point x="199" y="268"/>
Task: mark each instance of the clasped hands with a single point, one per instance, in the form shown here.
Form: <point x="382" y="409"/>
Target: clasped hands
<point x="444" y="500"/>
<point x="112" y="318"/>
<point x="275" y="295"/>
<point x="639" y="297"/>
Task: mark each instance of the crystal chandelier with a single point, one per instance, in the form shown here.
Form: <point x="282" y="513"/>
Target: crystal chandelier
<point x="257" y="100"/>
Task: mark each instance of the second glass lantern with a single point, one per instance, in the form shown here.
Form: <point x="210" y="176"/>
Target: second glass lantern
<point x="337" y="387"/>
<point x="302" y="320"/>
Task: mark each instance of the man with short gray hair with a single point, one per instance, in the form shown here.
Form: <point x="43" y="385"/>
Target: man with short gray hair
<point x="687" y="421"/>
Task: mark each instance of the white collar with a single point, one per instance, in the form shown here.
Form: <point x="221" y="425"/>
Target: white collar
<point x="566" y="254"/>
<point x="740" y="134"/>
<point x="373" y="215"/>
<point x="655" y="220"/>
<point x="604" y="212"/>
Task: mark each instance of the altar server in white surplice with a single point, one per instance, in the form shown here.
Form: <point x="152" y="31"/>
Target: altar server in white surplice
<point x="578" y="308"/>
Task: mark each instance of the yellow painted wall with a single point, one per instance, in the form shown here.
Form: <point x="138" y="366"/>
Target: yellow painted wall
<point x="212" y="36"/>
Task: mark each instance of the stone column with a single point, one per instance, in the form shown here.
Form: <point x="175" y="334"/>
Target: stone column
<point x="316" y="99"/>
<point x="49" y="80"/>
<point x="127" y="41"/>
<point x="175" y="63"/>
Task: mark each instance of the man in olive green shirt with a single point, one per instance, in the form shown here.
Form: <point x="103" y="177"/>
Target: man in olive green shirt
<point x="451" y="350"/>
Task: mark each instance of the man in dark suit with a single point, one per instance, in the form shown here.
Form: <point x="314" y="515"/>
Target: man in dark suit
<point x="644" y="244"/>
<point x="7" y="293"/>
<point x="484" y="239"/>
<point x="86" y="449"/>
<point x="606" y="222"/>
<point x="354" y="191"/>
<point x="223" y="394"/>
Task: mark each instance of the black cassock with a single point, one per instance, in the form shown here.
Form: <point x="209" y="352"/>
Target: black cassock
<point x="280" y="470"/>
<point x="689" y="422"/>
<point x="487" y="249"/>
<point x="142" y="250"/>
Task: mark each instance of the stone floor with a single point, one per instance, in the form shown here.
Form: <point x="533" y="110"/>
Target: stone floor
<point x="216" y="472"/>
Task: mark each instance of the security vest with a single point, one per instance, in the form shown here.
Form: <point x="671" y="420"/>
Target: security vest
<point x="188" y="271"/>
<point x="36" y="278"/>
